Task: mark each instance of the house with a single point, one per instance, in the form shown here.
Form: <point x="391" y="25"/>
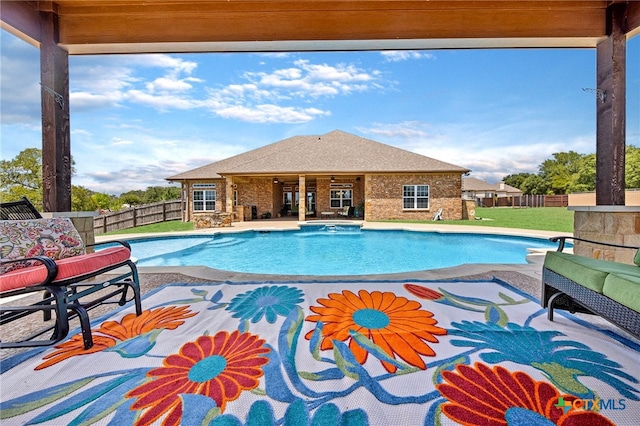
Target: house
<point x="324" y="176"/>
<point x="489" y="194"/>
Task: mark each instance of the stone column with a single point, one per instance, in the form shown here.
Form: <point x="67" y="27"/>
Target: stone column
<point x="302" y="190"/>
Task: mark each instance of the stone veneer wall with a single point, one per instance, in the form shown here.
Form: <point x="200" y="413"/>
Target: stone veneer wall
<point x="610" y="224"/>
<point x="385" y="196"/>
<point x="468" y="210"/>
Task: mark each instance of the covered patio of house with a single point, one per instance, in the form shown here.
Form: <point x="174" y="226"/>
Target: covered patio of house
<point x="73" y="27"/>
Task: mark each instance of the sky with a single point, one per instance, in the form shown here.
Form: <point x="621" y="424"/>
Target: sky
<point x="138" y="119"/>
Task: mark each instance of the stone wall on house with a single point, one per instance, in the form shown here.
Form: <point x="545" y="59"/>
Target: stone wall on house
<point x="384" y="196"/>
<point x="468" y="210"/>
<point x="609" y="224"/>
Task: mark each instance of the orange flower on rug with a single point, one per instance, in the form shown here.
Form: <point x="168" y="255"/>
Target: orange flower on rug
<point x="396" y="324"/>
<point x="220" y="367"/>
<point x="112" y="334"/>
<point x="480" y="395"/>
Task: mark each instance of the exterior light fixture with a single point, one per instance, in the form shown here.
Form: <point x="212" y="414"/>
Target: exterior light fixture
<point x="333" y="179"/>
<point x="275" y="180"/>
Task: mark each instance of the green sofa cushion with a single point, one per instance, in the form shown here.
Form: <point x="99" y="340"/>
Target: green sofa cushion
<point x="624" y="289"/>
<point x="586" y="271"/>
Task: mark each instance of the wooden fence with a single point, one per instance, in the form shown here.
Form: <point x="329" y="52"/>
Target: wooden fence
<point x="525" y="201"/>
<point x="138" y="216"/>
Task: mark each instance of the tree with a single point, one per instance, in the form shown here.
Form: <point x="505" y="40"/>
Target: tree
<point x="632" y="164"/>
<point x="22" y="177"/>
<point x="534" y="185"/>
<point x="154" y="194"/>
<point x="517" y="180"/>
<point x="81" y="199"/>
<point x="562" y="173"/>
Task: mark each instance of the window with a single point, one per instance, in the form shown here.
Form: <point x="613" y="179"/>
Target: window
<point x="341" y="198"/>
<point x="204" y="200"/>
<point x="415" y="197"/>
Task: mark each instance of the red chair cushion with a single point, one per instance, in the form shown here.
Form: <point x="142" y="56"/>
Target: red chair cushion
<point x="68" y="268"/>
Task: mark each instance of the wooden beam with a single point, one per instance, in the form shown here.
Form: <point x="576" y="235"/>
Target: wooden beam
<point x="22" y="19"/>
<point x="633" y="18"/>
<point x="610" y="111"/>
<point x="56" y="145"/>
<point x="234" y="21"/>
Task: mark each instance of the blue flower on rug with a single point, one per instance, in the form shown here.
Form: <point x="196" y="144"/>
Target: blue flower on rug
<point x="268" y="302"/>
<point x="261" y="413"/>
<point x="562" y="361"/>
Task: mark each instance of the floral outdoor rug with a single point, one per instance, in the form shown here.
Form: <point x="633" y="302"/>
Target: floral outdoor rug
<point x="331" y="353"/>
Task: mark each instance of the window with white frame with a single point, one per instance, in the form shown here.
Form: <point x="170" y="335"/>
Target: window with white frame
<point x="341" y="198"/>
<point x="204" y="199"/>
<point x="415" y="197"/>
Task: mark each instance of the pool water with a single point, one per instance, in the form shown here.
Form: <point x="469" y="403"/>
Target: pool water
<point x="327" y="251"/>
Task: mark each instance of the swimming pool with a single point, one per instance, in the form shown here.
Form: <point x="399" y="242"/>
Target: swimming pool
<point x="327" y="250"/>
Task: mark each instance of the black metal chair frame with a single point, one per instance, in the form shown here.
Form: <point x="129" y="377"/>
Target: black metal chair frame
<point x="67" y="298"/>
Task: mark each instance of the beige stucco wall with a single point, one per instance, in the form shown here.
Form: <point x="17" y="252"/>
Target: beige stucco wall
<point x="384" y="196"/>
<point x="631" y="198"/>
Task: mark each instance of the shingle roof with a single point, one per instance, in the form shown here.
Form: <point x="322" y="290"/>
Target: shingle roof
<point x="334" y="152"/>
<point x="473" y="184"/>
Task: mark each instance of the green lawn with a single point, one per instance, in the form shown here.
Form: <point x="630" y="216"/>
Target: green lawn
<point x="171" y="226"/>
<point x="541" y="218"/>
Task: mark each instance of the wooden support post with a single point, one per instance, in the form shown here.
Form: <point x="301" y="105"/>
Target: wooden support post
<point x="610" y="111"/>
<point x="56" y="145"/>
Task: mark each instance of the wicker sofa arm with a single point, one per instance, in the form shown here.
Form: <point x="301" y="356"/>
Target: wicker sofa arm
<point x="561" y="243"/>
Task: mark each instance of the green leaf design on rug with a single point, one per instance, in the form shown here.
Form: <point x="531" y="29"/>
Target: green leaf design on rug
<point x="562" y="361"/>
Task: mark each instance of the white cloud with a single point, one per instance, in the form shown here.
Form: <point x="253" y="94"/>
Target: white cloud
<point x="490" y="152"/>
<point x="270" y="114"/>
<point x="405" y="55"/>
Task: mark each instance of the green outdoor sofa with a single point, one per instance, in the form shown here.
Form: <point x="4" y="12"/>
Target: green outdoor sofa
<point x="581" y="284"/>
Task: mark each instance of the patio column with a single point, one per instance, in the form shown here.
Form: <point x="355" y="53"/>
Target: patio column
<point x="610" y="110"/>
<point x="56" y="145"/>
<point x="229" y="195"/>
<point x="302" y="191"/>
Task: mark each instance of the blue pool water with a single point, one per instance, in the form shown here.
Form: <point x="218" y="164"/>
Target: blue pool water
<point x="332" y="251"/>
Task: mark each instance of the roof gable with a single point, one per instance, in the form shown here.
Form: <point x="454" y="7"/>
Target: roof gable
<point x="334" y="152"/>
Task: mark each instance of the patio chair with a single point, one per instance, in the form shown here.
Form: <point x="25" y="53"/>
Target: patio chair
<point x="438" y="215"/>
<point x="344" y="212"/>
<point x="17" y="210"/>
<point x="47" y="258"/>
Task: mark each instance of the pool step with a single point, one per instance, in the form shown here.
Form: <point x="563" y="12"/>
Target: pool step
<point x="224" y="242"/>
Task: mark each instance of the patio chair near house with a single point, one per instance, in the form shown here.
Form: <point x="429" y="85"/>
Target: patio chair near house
<point x="44" y="267"/>
<point x="344" y="212"/>
<point x="438" y="215"/>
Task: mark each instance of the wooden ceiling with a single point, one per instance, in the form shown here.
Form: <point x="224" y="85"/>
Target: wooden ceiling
<point x="118" y="26"/>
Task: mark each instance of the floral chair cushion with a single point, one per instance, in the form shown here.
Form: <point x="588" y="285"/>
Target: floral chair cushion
<point x="56" y="238"/>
